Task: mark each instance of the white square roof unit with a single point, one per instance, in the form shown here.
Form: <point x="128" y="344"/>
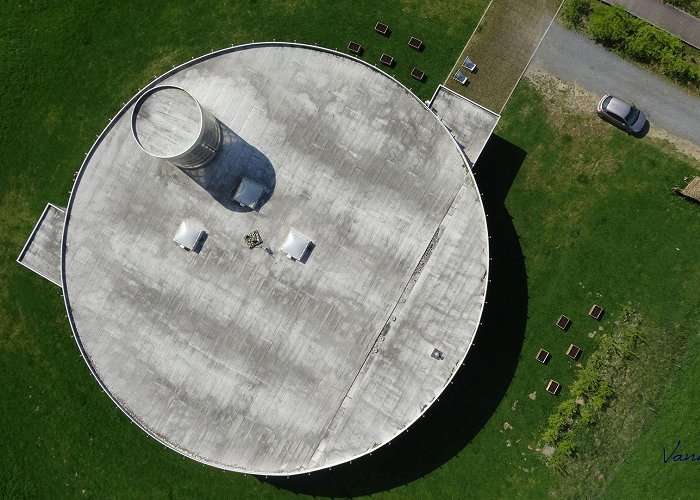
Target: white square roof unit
<point x="295" y="246"/>
<point x="188" y="236"/>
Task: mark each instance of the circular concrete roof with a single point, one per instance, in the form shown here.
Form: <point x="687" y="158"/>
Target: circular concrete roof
<point x="244" y="359"/>
<point x="167" y="121"/>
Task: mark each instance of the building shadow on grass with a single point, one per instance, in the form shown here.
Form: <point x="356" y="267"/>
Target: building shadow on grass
<point x="479" y="386"/>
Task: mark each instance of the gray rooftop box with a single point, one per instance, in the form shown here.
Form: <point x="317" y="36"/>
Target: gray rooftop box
<point x="188" y="236"/>
<point x="248" y="193"/>
<point x="295" y="246"/>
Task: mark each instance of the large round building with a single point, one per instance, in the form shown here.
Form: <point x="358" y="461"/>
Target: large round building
<point x="332" y="336"/>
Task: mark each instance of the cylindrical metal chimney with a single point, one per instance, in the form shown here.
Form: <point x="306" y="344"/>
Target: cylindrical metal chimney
<point x="167" y="122"/>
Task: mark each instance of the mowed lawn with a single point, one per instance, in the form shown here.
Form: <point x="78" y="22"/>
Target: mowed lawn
<point x="591" y="207"/>
<point x="597" y="223"/>
<point x="66" y="68"/>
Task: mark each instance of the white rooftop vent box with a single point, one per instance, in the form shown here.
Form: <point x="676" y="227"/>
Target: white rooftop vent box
<point x="248" y="193"/>
<point x="188" y="236"/>
<point x="295" y="246"/>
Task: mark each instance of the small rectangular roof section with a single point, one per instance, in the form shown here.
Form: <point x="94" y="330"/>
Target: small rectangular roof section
<point x="295" y="246"/>
<point x="188" y="236"/>
<point x="248" y="193"/>
<point x="42" y="251"/>
<point x="470" y="123"/>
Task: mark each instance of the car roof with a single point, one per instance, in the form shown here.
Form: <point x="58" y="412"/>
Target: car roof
<point x="619" y="107"/>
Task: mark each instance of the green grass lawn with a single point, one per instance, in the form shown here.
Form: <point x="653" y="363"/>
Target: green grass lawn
<point x="501" y="46"/>
<point x="66" y="68"/>
<point x="577" y="216"/>
<point x="597" y="223"/>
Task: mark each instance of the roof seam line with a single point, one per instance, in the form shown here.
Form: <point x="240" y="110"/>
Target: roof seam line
<point x="425" y="257"/>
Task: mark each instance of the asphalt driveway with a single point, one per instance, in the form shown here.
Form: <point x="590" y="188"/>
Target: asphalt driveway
<point x="575" y="58"/>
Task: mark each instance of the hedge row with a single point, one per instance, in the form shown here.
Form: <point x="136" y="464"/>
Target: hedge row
<point x="634" y="38"/>
<point x="592" y="390"/>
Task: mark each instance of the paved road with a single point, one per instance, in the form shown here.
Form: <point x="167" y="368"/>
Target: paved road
<point x="575" y="58"/>
<point x="664" y="16"/>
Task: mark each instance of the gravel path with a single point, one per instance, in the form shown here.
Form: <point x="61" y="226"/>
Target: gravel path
<point x="575" y="58"/>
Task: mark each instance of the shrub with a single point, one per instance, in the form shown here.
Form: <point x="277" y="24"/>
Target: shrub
<point x="565" y="449"/>
<point x="601" y="396"/>
<point x="586" y="383"/>
<point x="680" y="69"/>
<point x="612" y="26"/>
<point x="649" y="44"/>
<point x="559" y="420"/>
<point x="575" y="11"/>
<point x="636" y="39"/>
<point x="587" y="417"/>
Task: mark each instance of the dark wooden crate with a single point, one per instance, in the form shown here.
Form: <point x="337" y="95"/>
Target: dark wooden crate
<point x="355" y="48"/>
<point x="382" y="29"/>
<point x="418" y="74"/>
<point x="415" y="43"/>
<point x="563" y="322"/>
<point x="553" y="387"/>
<point x="596" y="312"/>
<point x="573" y="351"/>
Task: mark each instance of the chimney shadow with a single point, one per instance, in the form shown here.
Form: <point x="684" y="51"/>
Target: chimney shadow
<point x="235" y="161"/>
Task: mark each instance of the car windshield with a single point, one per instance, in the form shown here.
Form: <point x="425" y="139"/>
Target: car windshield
<point x="632" y="116"/>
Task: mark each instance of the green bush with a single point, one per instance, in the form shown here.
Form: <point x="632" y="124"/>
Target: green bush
<point x="591" y="391"/>
<point x="587" y="417"/>
<point x="601" y="396"/>
<point x="638" y="40"/>
<point x="612" y="26"/>
<point x="559" y="420"/>
<point x="650" y="44"/>
<point x="586" y="383"/>
<point x="680" y="69"/>
<point x="565" y="449"/>
<point x="575" y="10"/>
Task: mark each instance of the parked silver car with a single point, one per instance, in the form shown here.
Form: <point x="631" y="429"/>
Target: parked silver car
<point x="621" y="114"/>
